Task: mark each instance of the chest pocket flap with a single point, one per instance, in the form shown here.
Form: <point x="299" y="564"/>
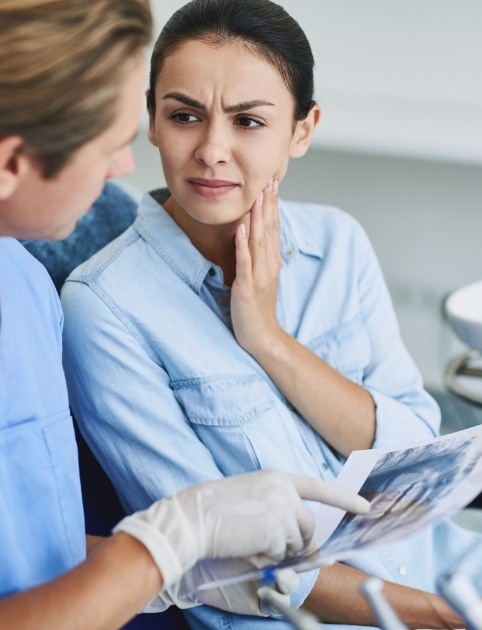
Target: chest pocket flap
<point x="222" y="400"/>
<point x="243" y="423"/>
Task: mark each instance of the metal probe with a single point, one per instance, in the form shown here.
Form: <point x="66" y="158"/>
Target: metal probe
<point x="384" y="613"/>
<point x="300" y="619"/>
<point x="460" y="593"/>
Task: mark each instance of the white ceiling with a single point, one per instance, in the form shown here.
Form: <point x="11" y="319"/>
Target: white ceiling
<point x="393" y="76"/>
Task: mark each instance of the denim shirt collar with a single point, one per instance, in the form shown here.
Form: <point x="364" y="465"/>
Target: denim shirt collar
<point x="162" y="233"/>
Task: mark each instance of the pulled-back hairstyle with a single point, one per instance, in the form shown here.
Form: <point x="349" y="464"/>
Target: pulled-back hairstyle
<point x="62" y="63"/>
<point x="263" y="26"/>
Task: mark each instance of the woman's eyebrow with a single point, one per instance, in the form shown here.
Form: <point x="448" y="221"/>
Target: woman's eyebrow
<point x="242" y="107"/>
<point x="239" y="107"/>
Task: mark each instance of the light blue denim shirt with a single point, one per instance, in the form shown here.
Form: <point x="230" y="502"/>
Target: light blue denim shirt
<point x="42" y="533"/>
<point x="166" y="397"/>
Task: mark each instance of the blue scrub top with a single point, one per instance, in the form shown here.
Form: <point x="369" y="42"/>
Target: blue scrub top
<point x="42" y="531"/>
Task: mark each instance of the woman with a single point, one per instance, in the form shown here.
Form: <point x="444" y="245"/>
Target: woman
<point x="218" y="335"/>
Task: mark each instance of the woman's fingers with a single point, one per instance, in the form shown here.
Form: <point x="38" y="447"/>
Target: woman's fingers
<point x="264" y="231"/>
<point x="270" y="206"/>
<point x="271" y="225"/>
<point x="257" y="232"/>
<point x="254" y="290"/>
<point x="243" y="255"/>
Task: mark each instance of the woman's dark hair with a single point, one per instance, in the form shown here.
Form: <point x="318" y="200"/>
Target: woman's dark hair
<point x="263" y="26"/>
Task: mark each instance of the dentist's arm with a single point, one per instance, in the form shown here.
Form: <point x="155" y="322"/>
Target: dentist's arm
<point x="257" y="513"/>
<point x="104" y="592"/>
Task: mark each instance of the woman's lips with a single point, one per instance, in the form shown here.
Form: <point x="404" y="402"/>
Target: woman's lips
<point x="212" y="187"/>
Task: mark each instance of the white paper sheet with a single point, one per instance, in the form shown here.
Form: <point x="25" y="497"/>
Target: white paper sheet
<point x="408" y="488"/>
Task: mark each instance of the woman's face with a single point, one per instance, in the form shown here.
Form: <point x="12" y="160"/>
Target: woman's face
<point x="224" y="127"/>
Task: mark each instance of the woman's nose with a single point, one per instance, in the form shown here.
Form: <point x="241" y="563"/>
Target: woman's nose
<point x="214" y="147"/>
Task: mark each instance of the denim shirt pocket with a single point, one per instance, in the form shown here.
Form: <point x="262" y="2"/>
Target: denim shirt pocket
<point x="242" y="423"/>
<point x="346" y="348"/>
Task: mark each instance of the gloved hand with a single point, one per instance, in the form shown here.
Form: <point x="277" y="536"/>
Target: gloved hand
<point x="239" y="598"/>
<point x="259" y="513"/>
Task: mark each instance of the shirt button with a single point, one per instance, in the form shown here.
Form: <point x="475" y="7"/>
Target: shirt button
<point x="290" y="253"/>
<point x="324" y="465"/>
<point x="403" y="571"/>
<point x="212" y="271"/>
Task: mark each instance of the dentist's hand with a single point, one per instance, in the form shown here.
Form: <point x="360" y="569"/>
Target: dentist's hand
<point x="257" y="514"/>
<point x="241" y="598"/>
<point x="258" y="263"/>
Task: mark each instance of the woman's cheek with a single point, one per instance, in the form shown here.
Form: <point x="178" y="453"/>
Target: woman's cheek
<point x="281" y="170"/>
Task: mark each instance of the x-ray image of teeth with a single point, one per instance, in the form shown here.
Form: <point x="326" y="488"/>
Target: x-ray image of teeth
<point x="408" y="489"/>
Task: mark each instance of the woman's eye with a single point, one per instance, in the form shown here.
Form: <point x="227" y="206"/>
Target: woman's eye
<point x="249" y="123"/>
<point x="183" y="118"/>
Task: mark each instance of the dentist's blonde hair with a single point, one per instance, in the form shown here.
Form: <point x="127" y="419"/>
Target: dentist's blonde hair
<point x="62" y="63"/>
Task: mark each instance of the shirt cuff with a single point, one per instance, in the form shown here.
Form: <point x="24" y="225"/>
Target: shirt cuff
<point x="397" y="424"/>
<point x="307" y="582"/>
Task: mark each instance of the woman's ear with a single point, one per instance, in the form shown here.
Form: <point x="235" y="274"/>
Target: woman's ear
<point x="152" y="126"/>
<point x="152" y="131"/>
<point x="10" y="165"/>
<point x="303" y="133"/>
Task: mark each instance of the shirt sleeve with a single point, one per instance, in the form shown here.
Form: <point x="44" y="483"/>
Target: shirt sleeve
<point x="125" y="408"/>
<point x="405" y="412"/>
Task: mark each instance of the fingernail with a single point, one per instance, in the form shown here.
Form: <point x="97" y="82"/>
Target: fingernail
<point x="259" y="200"/>
<point x="275" y="185"/>
<point x="242" y="230"/>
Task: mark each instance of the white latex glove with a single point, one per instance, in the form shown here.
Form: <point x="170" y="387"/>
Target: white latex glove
<point x="239" y="598"/>
<point x="260" y="513"/>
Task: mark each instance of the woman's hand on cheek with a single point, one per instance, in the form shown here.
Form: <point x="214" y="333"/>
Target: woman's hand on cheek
<point x="258" y="263"/>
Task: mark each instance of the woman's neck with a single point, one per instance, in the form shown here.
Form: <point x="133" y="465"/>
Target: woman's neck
<point x="214" y="242"/>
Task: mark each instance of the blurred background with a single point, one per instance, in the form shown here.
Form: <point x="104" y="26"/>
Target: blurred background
<point x="399" y="147"/>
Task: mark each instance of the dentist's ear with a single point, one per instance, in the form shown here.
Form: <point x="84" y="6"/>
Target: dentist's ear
<point x="11" y="165"/>
<point x="151" y="113"/>
<point x="303" y="133"/>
